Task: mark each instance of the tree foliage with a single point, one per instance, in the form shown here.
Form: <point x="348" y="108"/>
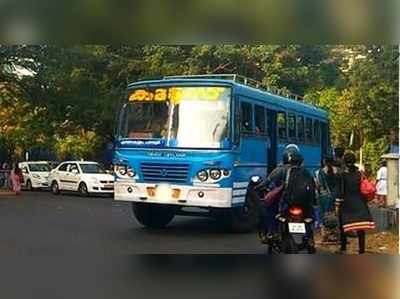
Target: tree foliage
<point x="59" y="96"/>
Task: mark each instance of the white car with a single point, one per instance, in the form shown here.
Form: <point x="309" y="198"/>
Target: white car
<point x="82" y="176"/>
<point x="35" y="173"/>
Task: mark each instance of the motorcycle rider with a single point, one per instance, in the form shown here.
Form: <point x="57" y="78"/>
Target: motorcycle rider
<point x="268" y="210"/>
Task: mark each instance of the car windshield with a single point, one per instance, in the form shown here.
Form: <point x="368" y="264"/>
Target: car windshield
<point x="191" y="117"/>
<point x="42" y="167"/>
<point x="91" y="168"/>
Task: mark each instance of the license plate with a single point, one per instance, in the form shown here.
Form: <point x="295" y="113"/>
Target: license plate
<point x="108" y="186"/>
<point x="297" y="228"/>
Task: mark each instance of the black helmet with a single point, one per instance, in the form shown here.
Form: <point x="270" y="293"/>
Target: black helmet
<point x="288" y="153"/>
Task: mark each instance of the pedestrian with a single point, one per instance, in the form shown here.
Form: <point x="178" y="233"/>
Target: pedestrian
<point x="16" y="179"/>
<point x="327" y="181"/>
<point x="6" y="173"/>
<point x="338" y="155"/>
<point x="381" y="184"/>
<point x="2" y="176"/>
<point x="354" y="215"/>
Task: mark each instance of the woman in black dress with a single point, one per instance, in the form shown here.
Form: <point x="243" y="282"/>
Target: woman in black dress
<point x="354" y="215"/>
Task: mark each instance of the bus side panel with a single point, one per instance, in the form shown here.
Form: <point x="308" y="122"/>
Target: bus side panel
<point x="312" y="156"/>
<point x="251" y="161"/>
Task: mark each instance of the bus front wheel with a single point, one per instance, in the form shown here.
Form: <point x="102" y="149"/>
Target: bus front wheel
<point x="153" y="215"/>
<point x="243" y="219"/>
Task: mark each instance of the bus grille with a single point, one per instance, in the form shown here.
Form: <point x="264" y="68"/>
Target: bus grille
<point x="163" y="172"/>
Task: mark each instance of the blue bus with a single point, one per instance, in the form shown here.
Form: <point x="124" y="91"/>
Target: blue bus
<point x="188" y="145"/>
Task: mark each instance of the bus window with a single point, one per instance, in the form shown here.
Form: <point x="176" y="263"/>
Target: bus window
<point x="267" y="122"/>
<point x="317" y="135"/>
<point x="291" y="122"/>
<point x="300" y="128"/>
<point x="246" y="117"/>
<point x="308" y="130"/>
<point x="259" y="118"/>
<point x="281" y="121"/>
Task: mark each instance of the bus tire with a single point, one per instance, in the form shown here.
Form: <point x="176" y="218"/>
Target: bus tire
<point x="244" y="219"/>
<point x="153" y="215"/>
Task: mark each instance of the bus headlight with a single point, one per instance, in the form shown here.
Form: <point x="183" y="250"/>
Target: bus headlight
<point x="215" y="174"/>
<point x="130" y="172"/>
<point x="202" y="175"/>
<point x="120" y="170"/>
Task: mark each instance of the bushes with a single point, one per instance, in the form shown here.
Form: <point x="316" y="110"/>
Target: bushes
<point x="4" y="150"/>
<point x="372" y="152"/>
<point x="81" y="145"/>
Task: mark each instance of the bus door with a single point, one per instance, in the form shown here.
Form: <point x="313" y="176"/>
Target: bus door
<point x="273" y="144"/>
<point x="252" y="159"/>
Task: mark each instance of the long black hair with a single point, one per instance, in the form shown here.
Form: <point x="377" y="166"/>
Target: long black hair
<point x="349" y="160"/>
<point x="328" y="162"/>
<point x="17" y="170"/>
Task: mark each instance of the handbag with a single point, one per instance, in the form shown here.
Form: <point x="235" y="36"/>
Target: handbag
<point x="367" y="188"/>
<point x="273" y="195"/>
<point x="276" y="193"/>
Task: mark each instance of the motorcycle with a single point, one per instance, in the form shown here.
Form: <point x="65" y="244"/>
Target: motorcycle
<point x="295" y="232"/>
<point x="295" y="228"/>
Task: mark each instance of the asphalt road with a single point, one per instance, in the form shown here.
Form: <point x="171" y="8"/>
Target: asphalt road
<point x="67" y="246"/>
<point x="44" y="223"/>
<point x="71" y="247"/>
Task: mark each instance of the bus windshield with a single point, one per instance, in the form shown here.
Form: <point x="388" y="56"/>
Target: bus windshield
<point x="188" y="117"/>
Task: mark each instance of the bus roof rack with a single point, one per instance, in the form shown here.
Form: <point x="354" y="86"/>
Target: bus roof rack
<point x="246" y="81"/>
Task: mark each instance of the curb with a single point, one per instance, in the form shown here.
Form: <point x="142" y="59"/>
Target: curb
<point x="7" y="193"/>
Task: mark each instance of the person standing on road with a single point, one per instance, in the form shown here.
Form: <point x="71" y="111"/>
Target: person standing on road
<point x="354" y="215"/>
<point x="16" y="179"/>
<point x="327" y="182"/>
<point x="6" y="174"/>
<point x="381" y="184"/>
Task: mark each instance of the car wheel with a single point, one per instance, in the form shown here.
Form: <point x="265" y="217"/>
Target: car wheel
<point x="29" y="185"/>
<point x="83" y="189"/>
<point x="54" y="188"/>
<point x="153" y="215"/>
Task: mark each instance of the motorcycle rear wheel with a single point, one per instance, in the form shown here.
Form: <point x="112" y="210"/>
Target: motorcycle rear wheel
<point x="288" y="245"/>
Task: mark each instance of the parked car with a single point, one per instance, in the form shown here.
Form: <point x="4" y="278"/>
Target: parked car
<point x="36" y="174"/>
<point x="83" y="176"/>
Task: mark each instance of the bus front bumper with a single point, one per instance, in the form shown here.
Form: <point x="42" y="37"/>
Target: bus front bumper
<point x="196" y="196"/>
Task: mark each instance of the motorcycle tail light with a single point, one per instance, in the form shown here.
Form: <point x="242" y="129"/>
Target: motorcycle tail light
<point x="296" y="211"/>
